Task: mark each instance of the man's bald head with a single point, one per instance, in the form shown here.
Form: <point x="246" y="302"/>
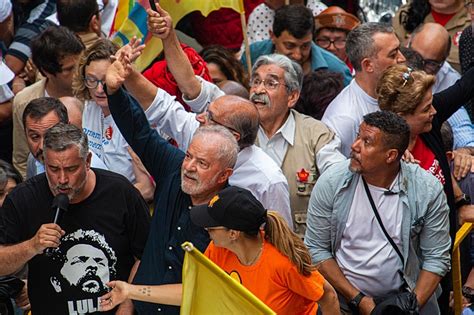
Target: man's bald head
<point x="431" y="41"/>
<point x="230" y="87"/>
<point x="74" y="110"/>
<point x="241" y="115"/>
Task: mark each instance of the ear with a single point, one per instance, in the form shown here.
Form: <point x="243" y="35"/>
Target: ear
<point x="272" y="36"/>
<point x="367" y="65"/>
<point x="88" y="160"/>
<point x="224" y="177"/>
<point x="293" y="98"/>
<point x="236" y="135"/>
<point x="392" y="156"/>
<point x="56" y="284"/>
<point x="234" y="234"/>
<point x="94" y="24"/>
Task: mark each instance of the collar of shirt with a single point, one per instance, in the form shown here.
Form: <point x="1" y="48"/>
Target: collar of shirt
<point x="445" y="77"/>
<point x="287" y="131"/>
<point x="317" y="58"/>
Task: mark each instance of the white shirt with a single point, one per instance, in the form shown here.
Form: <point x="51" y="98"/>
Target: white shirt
<point x="5" y="93"/>
<point x="365" y="256"/>
<point x="106" y="141"/>
<point x="254" y="170"/>
<point x="325" y="157"/>
<point x="344" y="114"/>
<point x="277" y="145"/>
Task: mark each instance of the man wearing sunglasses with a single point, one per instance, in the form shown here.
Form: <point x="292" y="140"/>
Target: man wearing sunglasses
<point x="432" y="42"/>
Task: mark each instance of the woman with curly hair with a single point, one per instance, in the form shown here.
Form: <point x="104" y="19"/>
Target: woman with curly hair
<point x="223" y="65"/>
<point x="451" y="14"/>
<point x="271" y="262"/>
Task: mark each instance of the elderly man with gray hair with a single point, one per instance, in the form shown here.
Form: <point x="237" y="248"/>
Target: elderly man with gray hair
<point x="183" y="179"/>
<point x="102" y="204"/>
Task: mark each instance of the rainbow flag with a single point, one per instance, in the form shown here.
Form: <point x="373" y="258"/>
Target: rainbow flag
<point x="207" y="289"/>
<point x="135" y="23"/>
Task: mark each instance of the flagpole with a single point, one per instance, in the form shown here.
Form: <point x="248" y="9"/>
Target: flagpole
<point x="246" y="40"/>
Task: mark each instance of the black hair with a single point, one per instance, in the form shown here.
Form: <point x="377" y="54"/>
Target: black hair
<point x="295" y="19"/>
<point x="415" y="15"/>
<point x="76" y="14"/>
<point x="89" y="237"/>
<point x="51" y="46"/>
<point x="40" y="107"/>
<point x="320" y="87"/>
<point x="10" y="172"/>
<point x="396" y="132"/>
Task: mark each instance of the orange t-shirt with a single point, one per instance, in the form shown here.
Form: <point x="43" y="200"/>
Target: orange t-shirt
<point x="273" y="279"/>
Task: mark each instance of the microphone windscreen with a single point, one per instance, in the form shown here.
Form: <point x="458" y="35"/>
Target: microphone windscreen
<point x="61" y="201"/>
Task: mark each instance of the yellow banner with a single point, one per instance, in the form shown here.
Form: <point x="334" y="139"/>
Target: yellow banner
<point x="207" y="289"/>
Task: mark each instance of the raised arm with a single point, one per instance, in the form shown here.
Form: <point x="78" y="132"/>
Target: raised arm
<point x="161" y="26"/>
<point x="450" y="100"/>
<point x="158" y="156"/>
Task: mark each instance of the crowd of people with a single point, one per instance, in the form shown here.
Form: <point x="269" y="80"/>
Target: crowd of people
<point x="326" y="164"/>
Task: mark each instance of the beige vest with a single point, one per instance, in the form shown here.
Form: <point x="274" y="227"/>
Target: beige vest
<point x="310" y="136"/>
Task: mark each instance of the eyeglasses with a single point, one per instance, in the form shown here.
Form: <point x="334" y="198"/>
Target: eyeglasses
<point x="93" y="83"/>
<point x="431" y="66"/>
<point x="269" y="84"/>
<point x="326" y="42"/>
<point x="210" y="117"/>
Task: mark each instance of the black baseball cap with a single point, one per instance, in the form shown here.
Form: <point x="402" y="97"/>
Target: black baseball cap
<point x="234" y="208"/>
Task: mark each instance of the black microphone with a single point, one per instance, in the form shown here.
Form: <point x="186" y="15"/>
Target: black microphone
<point x="390" y="192"/>
<point x="61" y="204"/>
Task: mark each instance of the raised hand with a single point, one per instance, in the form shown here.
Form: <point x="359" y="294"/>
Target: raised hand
<point x="118" y="72"/>
<point x="159" y="22"/>
<point x="133" y="49"/>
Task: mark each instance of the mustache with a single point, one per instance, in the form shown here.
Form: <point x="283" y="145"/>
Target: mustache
<point x="254" y="97"/>
<point x="352" y="155"/>
<point x="189" y="174"/>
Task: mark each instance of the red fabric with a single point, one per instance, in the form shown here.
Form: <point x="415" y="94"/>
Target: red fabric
<point x="160" y="76"/>
<point x="221" y="27"/>
<point x="441" y="18"/>
<point x="427" y="160"/>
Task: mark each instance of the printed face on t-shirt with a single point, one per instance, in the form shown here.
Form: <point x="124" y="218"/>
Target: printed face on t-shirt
<point x="86" y="268"/>
<point x="85" y="263"/>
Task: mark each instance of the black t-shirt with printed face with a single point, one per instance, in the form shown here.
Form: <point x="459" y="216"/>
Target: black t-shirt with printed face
<point x="103" y="235"/>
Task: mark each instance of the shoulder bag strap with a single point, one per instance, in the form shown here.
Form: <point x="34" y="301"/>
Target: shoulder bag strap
<point x="380" y="221"/>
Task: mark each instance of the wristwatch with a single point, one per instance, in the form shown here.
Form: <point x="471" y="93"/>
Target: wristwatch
<point x="463" y="201"/>
<point x="354" y="303"/>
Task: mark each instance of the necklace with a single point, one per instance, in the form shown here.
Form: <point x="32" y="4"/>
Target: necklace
<point x="256" y="256"/>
